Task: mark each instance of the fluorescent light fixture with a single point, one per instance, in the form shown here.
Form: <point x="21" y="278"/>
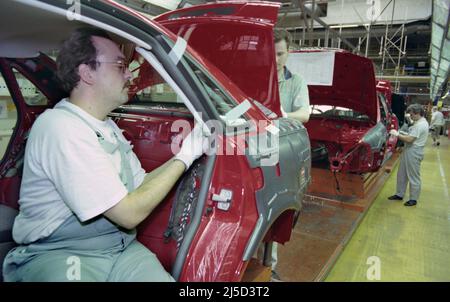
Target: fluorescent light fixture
<point x="346" y="25"/>
<point x="167" y="4"/>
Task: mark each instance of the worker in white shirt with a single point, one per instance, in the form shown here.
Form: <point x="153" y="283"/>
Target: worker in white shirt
<point x="437" y="123"/>
<point x="83" y="189"/>
<point x="412" y="155"/>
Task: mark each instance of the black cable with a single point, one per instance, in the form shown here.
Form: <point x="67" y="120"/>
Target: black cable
<point x="338" y="188"/>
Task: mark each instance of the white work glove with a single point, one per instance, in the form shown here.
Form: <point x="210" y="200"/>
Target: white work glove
<point x="193" y="146"/>
<point x="408" y="118"/>
<point x="393" y="132"/>
<point x="283" y="113"/>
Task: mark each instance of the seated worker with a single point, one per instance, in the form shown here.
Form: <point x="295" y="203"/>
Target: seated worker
<point x="83" y="190"/>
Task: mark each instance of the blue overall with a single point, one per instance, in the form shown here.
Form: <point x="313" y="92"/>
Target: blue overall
<point x="95" y="250"/>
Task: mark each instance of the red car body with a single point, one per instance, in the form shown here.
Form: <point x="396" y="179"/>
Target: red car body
<point x="384" y="93"/>
<point x="353" y="134"/>
<point x="201" y="231"/>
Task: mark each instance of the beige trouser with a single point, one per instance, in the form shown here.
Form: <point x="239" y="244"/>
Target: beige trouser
<point x="409" y="172"/>
<point x="436" y="132"/>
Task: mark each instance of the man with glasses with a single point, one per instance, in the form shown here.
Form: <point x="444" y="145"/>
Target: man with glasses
<point x="83" y="190"/>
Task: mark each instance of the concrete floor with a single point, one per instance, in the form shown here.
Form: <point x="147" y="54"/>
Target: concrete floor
<point x="398" y="243"/>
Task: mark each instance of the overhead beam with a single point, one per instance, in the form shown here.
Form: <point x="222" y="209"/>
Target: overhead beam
<point x="332" y="32"/>
<point x="376" y="31"/>
<point x="405" y="79"/>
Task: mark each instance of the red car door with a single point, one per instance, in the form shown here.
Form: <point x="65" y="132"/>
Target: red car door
<point x="31" y="92"/>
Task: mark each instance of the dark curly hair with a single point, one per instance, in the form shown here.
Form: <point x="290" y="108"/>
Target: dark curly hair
<point x="77" y="49"/>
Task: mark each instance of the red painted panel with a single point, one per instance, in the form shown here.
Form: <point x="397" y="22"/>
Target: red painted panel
<point x="239" y="45"/>
<point x="353" y="85"/>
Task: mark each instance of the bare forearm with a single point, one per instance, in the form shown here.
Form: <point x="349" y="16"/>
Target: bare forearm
<point x="151" y="175"/>
<point x="406" y="138"/>
<point x="137" y="205"/>
<point x="301" y="115"/>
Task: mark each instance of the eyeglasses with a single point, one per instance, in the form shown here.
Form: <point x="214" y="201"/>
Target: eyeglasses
<point x="123" y="67"/>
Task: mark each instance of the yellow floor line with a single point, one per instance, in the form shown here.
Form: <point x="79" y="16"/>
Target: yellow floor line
<point x="441" y="170"/>
<point x="398" y="243"/>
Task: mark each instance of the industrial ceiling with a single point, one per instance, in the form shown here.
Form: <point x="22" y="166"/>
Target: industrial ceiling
<point x="395" y="34"/>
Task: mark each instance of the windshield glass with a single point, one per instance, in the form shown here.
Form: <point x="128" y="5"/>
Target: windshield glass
<point x="150" y="87"/>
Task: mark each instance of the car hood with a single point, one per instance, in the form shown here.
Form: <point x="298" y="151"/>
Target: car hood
<point x="350" y="82"/>
<point x="237" y="37"/>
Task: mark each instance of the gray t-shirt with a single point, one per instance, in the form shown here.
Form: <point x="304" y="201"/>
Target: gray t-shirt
<point x="419" y="130"/>
<point x="293" y="92"/>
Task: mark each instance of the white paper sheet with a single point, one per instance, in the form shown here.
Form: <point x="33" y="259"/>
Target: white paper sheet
<point x="316" y="68"/>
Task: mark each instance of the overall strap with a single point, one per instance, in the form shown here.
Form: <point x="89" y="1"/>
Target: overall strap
<point x="126" y="174"/>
